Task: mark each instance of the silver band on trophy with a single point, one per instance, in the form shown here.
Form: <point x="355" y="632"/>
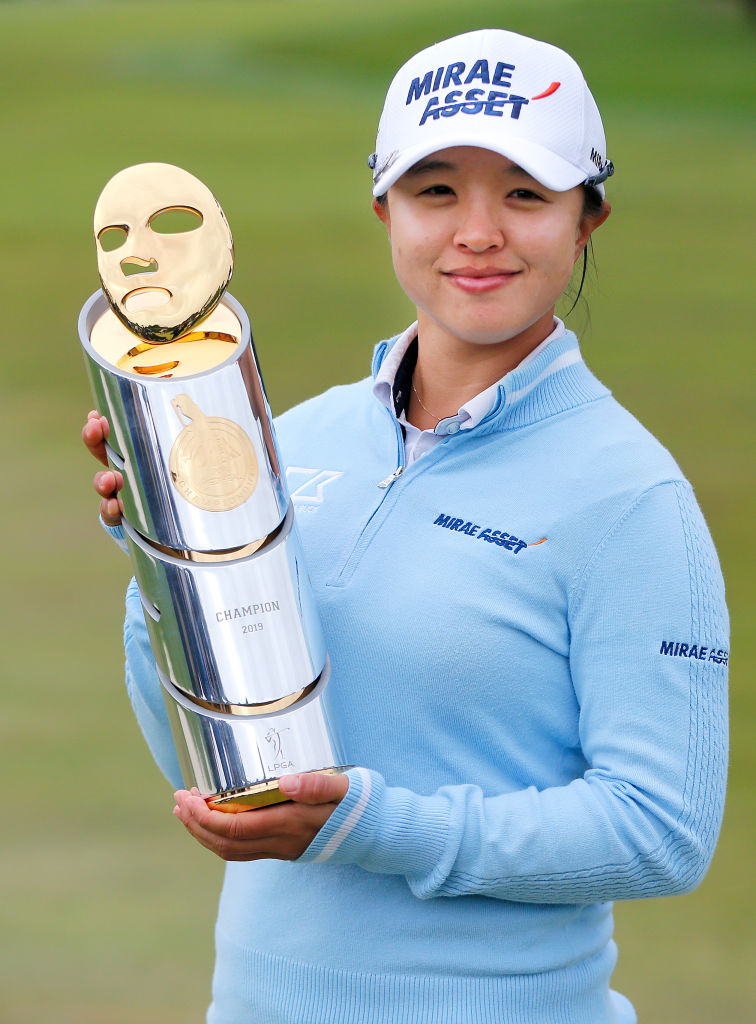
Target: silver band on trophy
<point x="209" y="525"/>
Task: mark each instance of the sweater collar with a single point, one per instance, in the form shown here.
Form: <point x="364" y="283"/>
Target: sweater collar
<point x="555" y="380"/>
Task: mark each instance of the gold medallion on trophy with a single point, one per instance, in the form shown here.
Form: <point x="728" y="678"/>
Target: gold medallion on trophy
<point x="212" y="462"/>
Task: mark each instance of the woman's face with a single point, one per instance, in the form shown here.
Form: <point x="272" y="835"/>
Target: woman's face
<point x="482" y="249"/>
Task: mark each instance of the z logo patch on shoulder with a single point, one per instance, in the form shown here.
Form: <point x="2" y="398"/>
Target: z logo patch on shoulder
<point x="307" y="485"/>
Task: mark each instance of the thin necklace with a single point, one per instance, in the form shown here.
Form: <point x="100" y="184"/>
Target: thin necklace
<point x="424" y="406"/>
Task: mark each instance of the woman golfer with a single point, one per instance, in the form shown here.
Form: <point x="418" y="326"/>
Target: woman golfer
<point x="520" y="597"/>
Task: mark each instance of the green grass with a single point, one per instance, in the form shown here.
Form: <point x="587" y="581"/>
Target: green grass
<point x="107" y="907"/>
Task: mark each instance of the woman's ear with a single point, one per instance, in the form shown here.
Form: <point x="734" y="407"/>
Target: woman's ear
<point x="381" y="209"/>
<point x="588" y="225"/>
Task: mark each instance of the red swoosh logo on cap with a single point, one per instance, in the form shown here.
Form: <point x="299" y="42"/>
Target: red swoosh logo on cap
<point x="551" y="89"/>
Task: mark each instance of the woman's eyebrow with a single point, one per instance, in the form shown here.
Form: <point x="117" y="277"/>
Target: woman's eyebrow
<point x="516" y="170"/>
<point x="430" y="165"/>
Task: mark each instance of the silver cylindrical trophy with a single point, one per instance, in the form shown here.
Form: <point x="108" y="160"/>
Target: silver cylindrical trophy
<point x="208" y="521"/>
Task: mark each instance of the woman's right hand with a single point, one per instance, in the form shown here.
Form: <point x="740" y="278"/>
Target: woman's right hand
<point x="107" y="482"/>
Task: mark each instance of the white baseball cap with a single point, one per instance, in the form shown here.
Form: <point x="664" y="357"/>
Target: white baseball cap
<point x="497" y="90"/>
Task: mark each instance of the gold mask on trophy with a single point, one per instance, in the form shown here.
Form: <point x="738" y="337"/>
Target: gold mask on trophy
<point x="164" y="250"/>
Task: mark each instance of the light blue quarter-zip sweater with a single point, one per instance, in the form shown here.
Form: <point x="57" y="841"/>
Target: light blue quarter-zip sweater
<point x="528" y="637"/>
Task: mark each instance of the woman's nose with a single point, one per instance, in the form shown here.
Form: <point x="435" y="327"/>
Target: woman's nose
<point x="479" y="228"/>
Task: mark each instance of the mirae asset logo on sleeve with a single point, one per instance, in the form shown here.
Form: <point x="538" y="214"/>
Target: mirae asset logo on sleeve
<point x="700" y="652"/>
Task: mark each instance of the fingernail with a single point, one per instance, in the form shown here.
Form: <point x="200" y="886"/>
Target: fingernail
<point x="290" y="784"/>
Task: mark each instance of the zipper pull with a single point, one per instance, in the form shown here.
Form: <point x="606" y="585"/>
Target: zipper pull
<point x="390" y="479"/>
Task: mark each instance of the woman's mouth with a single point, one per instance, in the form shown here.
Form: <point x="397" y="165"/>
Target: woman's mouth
<point x="476" y="280"/>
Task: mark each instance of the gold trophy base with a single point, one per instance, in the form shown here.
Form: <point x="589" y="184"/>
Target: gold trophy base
<point x="262" y="794"/>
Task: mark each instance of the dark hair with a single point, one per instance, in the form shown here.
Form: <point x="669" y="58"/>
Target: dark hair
<point x="593" y="204"/>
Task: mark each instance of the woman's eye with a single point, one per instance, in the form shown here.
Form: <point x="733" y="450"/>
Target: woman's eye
<point x="524" y="193"/>
<point x="437" y="190"/>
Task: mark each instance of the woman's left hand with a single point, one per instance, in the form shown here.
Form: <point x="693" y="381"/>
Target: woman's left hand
<point x="282" y="832"/>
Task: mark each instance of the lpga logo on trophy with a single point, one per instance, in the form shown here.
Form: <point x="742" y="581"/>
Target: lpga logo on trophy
<point x="207" y="516"/>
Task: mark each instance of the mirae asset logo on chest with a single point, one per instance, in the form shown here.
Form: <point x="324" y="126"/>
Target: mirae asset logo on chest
<point x="487" y="533"/>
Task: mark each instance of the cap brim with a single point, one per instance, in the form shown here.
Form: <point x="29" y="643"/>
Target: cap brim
<point x="550" y="170"/>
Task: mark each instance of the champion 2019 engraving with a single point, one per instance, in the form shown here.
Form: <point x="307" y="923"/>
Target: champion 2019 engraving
<point x="247" y="611"/>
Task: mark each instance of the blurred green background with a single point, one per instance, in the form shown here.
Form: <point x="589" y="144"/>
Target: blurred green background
<point x="107" y="907"/>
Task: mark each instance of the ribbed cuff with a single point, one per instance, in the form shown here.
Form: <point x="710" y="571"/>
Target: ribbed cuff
<point x="117" y="533"/>
<point x="388" y="830"/>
